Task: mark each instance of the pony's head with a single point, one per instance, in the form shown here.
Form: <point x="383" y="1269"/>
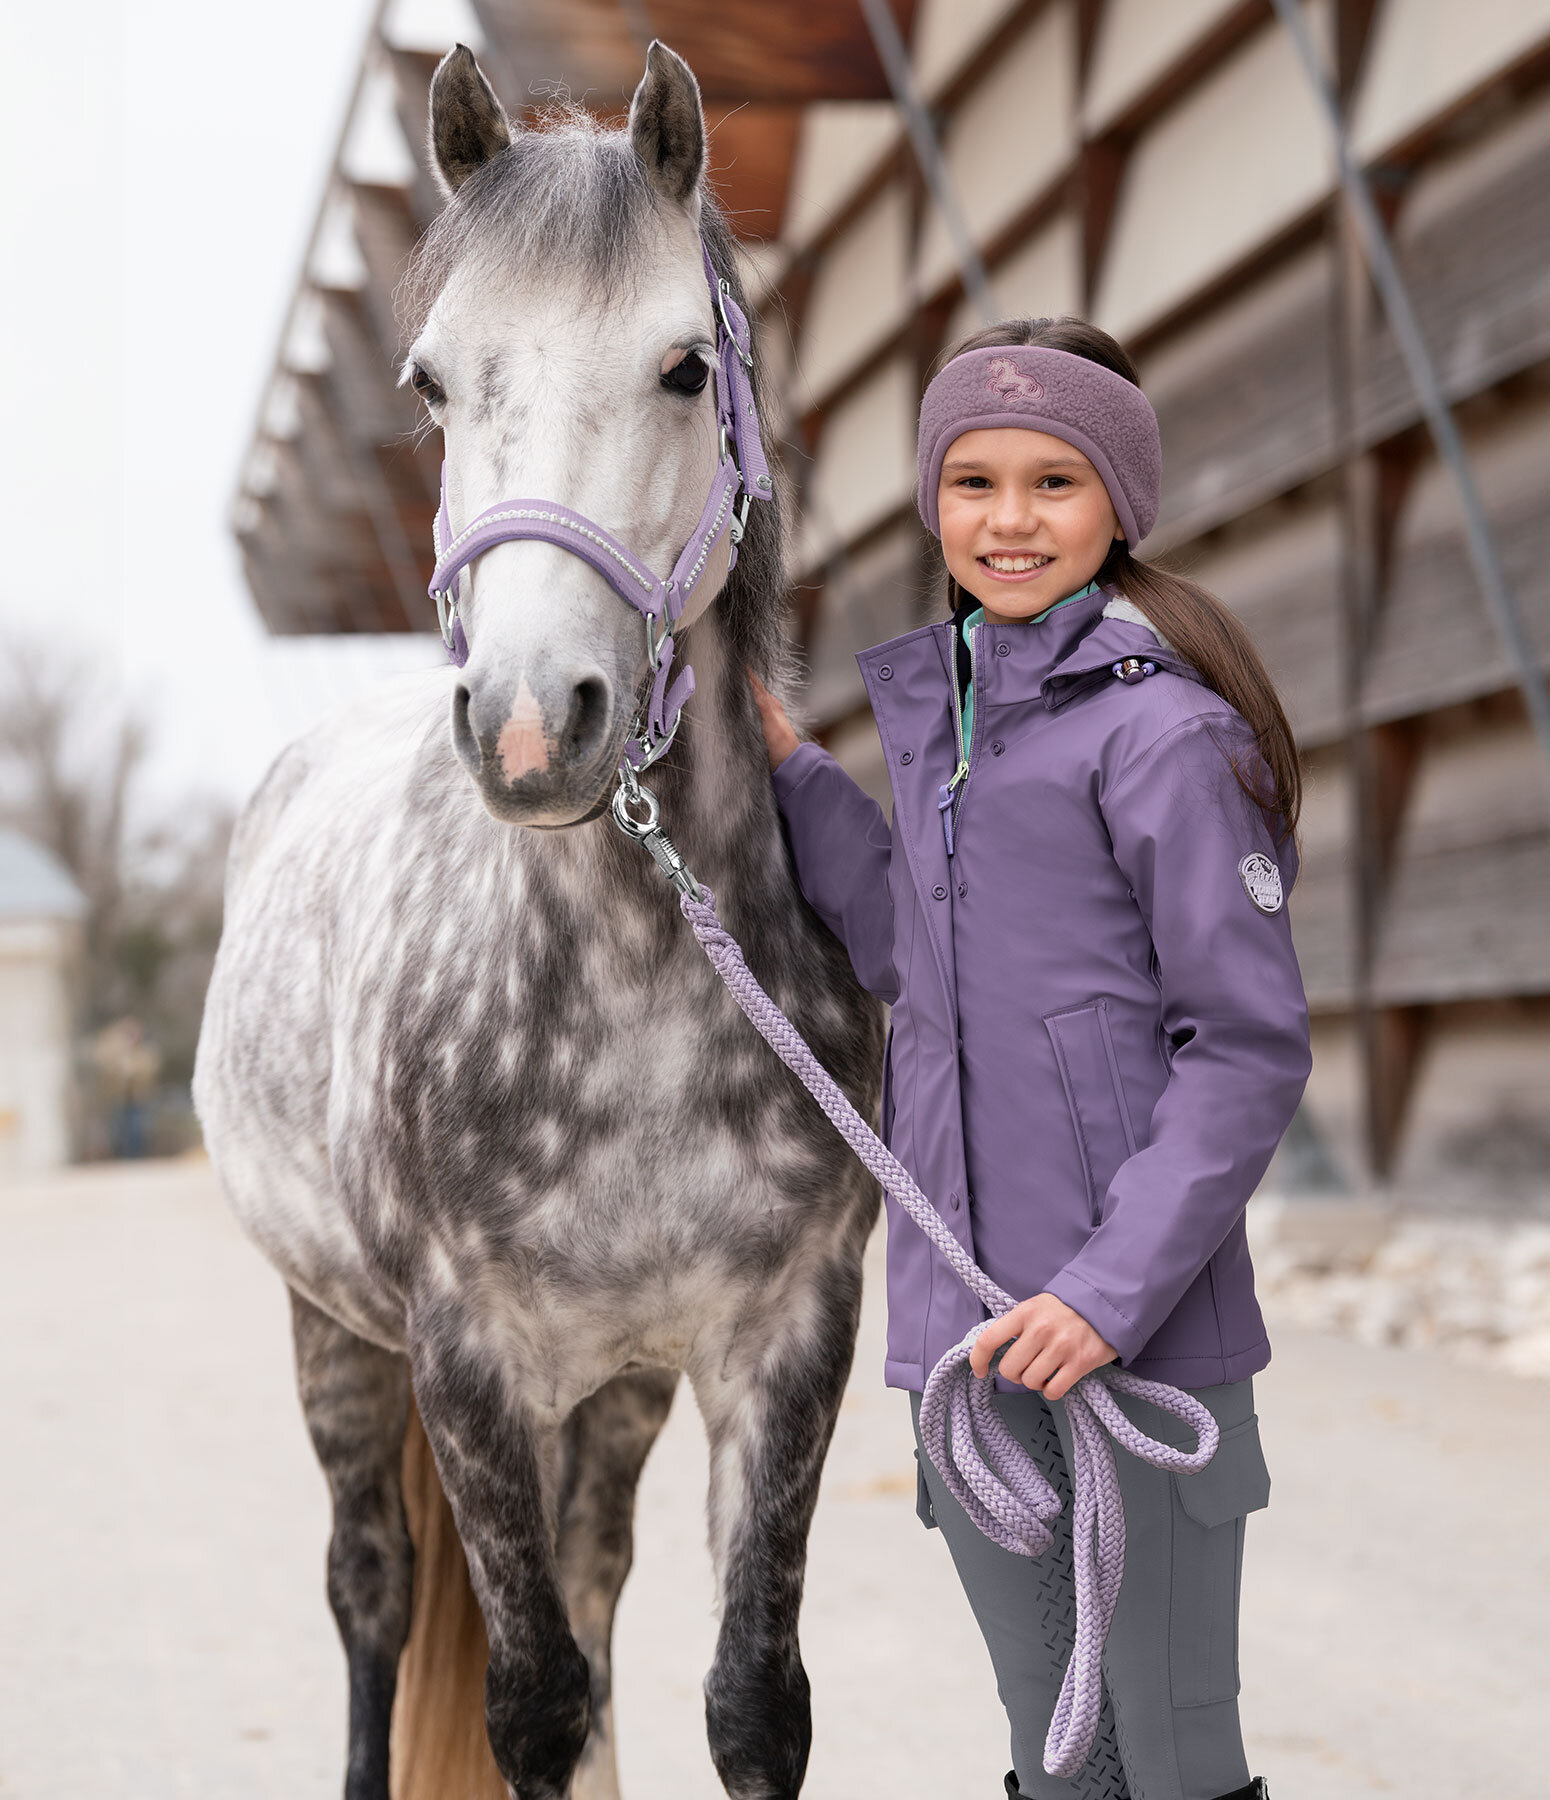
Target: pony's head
<point x="564" y="343"/>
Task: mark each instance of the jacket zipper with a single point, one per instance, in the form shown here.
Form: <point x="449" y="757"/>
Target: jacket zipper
<point x="949" y="794"/>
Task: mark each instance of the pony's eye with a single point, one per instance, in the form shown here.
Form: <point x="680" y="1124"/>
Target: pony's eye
<point x="688" y="375"/>
<point x="426" y="386"/>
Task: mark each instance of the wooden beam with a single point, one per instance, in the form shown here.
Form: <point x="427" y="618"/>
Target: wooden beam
<point x="1101" y="165"/>
<point x="1393" y="1039"/>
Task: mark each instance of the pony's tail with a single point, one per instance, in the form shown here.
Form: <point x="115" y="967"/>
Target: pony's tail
<point x="440" y="1750"/>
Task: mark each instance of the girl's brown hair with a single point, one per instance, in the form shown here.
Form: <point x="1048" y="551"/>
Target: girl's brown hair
<point x="1205" y="633"/>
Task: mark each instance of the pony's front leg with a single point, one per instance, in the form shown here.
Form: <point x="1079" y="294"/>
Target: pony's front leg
<point x="490" y="1454"/>
<point x="356" y="1398"/>
<point x="769" y="1391"/>
<point x="605" y="1444"/>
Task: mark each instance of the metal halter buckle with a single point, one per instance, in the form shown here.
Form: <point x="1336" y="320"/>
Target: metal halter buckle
<point x="738" y="523"/>
<point x="654" y="644"/>
<point x="723" y="295"/>
<point x="446" y="614"/>
<point x="651" y="749"/>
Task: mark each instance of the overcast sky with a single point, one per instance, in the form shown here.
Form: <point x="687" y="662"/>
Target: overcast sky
<point x="157" y="185"/>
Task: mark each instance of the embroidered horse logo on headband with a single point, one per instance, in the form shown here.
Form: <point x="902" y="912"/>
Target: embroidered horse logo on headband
<point x="1006" y="380"/>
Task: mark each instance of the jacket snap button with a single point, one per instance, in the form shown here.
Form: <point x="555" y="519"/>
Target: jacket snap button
<point x="996" y="746"/>
<point x="908" y="757"/>
<point x="963" y="890"/>
<point x="952" y="1201"/>
<point x="939" y="893"/>
<point x="885" y="672"/>
<point x="1003" y="649"/>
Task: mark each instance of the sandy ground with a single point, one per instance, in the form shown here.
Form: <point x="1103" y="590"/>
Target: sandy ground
<point x="163" y="1629"/>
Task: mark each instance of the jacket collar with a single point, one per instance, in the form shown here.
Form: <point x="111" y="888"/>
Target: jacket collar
<point x="1108" y="641"/>
<point x="1073" y="649"/>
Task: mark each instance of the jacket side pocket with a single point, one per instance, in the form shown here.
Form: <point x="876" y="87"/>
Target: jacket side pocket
<point x="1089" y="1073"/>
<point x="1209" y="1511"/>
<point x="885" y="1099"/>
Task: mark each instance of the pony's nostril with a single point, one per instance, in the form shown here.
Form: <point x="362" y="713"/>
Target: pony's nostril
<point x="587" y="720"/>
<point x="463" y="739"/>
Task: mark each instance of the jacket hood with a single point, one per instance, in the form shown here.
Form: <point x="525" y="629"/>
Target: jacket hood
<point x="1120" y="630"/>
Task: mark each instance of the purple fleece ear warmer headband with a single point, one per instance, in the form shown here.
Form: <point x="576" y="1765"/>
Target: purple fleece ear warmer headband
<point x="1084" y="404"/>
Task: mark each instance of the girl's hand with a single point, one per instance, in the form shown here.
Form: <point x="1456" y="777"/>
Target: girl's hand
<point x="1055" y="1346"/>
<point x="779" y="737"/>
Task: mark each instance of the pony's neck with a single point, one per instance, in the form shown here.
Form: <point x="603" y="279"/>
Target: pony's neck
<point x="715" y="777"/>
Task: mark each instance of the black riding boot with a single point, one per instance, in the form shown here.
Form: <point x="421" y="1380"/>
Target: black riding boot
<point x="1256" y="1790"/>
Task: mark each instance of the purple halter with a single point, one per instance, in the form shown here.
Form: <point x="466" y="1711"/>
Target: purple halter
<point x="741" y="471"/>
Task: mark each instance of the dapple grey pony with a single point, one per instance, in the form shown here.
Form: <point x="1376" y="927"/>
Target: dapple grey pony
<point x="465" y="1075"/>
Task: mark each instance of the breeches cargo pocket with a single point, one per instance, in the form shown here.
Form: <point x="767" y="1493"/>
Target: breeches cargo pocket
<point x="1209" y="1512"/>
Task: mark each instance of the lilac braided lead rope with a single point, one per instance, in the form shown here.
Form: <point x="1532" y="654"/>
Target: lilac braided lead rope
<point x="987" y="1471"/>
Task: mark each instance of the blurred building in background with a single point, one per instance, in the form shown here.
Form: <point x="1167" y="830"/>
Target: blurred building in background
<point x="1162" y="169"/>
<point x="41" y="910"/>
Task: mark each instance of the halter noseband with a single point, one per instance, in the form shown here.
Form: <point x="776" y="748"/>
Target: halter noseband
<point x="742" y="475"/>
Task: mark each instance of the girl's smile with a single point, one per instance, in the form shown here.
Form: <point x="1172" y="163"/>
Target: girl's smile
<point x="1014" y="565"/>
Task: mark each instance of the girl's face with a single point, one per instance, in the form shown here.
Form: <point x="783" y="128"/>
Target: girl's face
<point x="1025" y="520"/>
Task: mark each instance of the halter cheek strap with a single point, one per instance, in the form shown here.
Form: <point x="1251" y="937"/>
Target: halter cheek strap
<point x="742" y="476"/>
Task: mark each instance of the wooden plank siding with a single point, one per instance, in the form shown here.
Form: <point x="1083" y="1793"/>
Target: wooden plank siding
<point x="1435" y="643"/>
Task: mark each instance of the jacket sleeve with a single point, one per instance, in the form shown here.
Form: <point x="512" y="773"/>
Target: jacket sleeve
<point x="841" y="845"/>
<point x="1235" y="1014"/>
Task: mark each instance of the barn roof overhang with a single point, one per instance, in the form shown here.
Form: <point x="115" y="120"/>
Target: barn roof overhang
<point x="338" y="486"/>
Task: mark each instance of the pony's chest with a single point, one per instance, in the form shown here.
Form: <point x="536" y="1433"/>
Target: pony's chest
<point x="599" y="1108"/>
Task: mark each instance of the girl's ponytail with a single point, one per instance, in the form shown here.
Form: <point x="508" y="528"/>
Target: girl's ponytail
<point x="1205" y="633"/>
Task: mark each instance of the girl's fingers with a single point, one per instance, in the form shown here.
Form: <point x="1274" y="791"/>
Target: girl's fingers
<point x="996" y="1333"/>
<point x="1041" y="1368"/>
<point x="1063" y="1380"/>
<point x="1018" y="1357"/>
<point x="1072" y="1371"/>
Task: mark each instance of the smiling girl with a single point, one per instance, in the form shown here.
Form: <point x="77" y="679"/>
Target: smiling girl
<point x="1098" y="1031"/>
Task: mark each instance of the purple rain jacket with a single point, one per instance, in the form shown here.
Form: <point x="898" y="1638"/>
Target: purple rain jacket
<point x="1099" y="1033"/>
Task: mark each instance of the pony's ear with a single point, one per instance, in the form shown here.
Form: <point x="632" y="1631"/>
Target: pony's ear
<point x="667" y="127"/>
<point x="468" y="124"/>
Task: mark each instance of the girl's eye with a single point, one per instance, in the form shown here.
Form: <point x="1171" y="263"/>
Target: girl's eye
<point x="1063" y="480"/>
<point x="974" y="481"/>
<point x="688" y="375"/>
<point x="426" y="386"/>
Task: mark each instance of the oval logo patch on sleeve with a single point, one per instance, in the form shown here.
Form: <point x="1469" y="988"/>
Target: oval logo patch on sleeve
<point x="1261" y="881"/>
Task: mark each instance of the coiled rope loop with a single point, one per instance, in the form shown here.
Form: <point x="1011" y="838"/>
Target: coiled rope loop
<point x="988" y="1472"/>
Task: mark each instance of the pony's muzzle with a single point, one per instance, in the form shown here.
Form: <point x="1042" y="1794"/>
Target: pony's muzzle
<point x="534" y="752"/>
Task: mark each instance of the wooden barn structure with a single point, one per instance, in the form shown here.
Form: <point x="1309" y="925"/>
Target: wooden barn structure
<point x="1163" y="169"/>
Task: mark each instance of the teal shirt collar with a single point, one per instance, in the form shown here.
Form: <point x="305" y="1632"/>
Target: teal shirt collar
<point x="1039" y="618"/>
<point x="977" y="617"/>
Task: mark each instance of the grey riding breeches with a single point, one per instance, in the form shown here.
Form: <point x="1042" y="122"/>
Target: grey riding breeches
<point x="1169" y="1728"/>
